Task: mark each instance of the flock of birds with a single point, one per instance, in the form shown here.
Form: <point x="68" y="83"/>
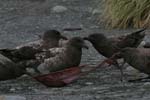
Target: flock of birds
<point x="54" y="52"/>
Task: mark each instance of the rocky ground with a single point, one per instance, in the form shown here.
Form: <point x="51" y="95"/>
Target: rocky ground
<point x="22" y="21"/>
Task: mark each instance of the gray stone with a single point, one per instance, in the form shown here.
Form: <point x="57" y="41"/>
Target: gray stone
<point x="59" y="9"/>
<point x="96" y="11"/>
<point x="147" y="83"/>
<point x="89" y="83"/>
<point x="132" y="70"/>
<point x="142" y="44"/>
<point x="12" y="89"/>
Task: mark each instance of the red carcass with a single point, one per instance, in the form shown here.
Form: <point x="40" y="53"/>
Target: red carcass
<point x="64" y="77"/>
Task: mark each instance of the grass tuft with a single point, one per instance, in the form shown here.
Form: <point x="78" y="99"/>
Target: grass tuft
<point x="127" y="13"/>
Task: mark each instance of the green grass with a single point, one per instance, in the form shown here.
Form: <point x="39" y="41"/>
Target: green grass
<point x="127" y="13"/>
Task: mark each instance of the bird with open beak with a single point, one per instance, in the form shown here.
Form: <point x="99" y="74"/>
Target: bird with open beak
<point x="70" y="56"/>
<point x="109" y="46"/>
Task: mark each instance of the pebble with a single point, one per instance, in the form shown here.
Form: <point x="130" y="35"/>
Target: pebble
<point x="88" y="83"/>
<point x="96" y="11"/>
<point x="142" y="44"/>
<point x="132" y="70"/>
<point x="59" y="9"/>
<point x="147" y="83"/>
<point x="97" y="97"/>
<point x="12" y="89"/>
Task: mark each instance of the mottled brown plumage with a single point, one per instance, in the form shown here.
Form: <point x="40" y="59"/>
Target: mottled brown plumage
<point x="132" y="39"/>
<point x="68" y="56"/>
<point x="109" y="46"/>
<point x="23" y="53"/>
<point x="139" y="58"/>
<point x="49" y="39"/>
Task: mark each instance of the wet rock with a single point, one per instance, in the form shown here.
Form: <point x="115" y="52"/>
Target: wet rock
<point x="132" y="70"/>
<point x="97" y="97"/>
<point x="88" y="83"/>
<point x="96" y="11"/>
<point x="142" y="44"/>
<point x="23" y="76"/>
<point x="147" y="83"/>
<point x="59" y="9"/>
<point x="12" y="89"/>
<point x="135" y="73"/>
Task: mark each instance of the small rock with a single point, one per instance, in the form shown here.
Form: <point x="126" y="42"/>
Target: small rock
<point x="30" y="87"/>
<point x="147" y="83"/>
<point x="132" y="70"/>
<point x="142" y="44"/>
<point x="59" y="9"/>
<point x="19" y="88"/>
<point x="99" y="92"/>
<point x="24" y="76"/>
<point x="97" y="97"/>
<point x="88" y="83"/>
<point x="12" y="89"/>
<point x="96" y="11"/>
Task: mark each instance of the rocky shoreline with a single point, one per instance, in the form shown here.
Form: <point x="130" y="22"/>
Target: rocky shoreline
<point x="21" y="22"/>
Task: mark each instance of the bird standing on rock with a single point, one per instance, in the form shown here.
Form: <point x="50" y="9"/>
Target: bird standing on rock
<point x="49" y="39"/>
<point x="139" y="58"/>
<point x="70" y="56"/>
<point x="109" y="46"/>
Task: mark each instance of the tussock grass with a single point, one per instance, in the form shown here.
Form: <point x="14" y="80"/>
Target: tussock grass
<point x="127" y="13"/>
